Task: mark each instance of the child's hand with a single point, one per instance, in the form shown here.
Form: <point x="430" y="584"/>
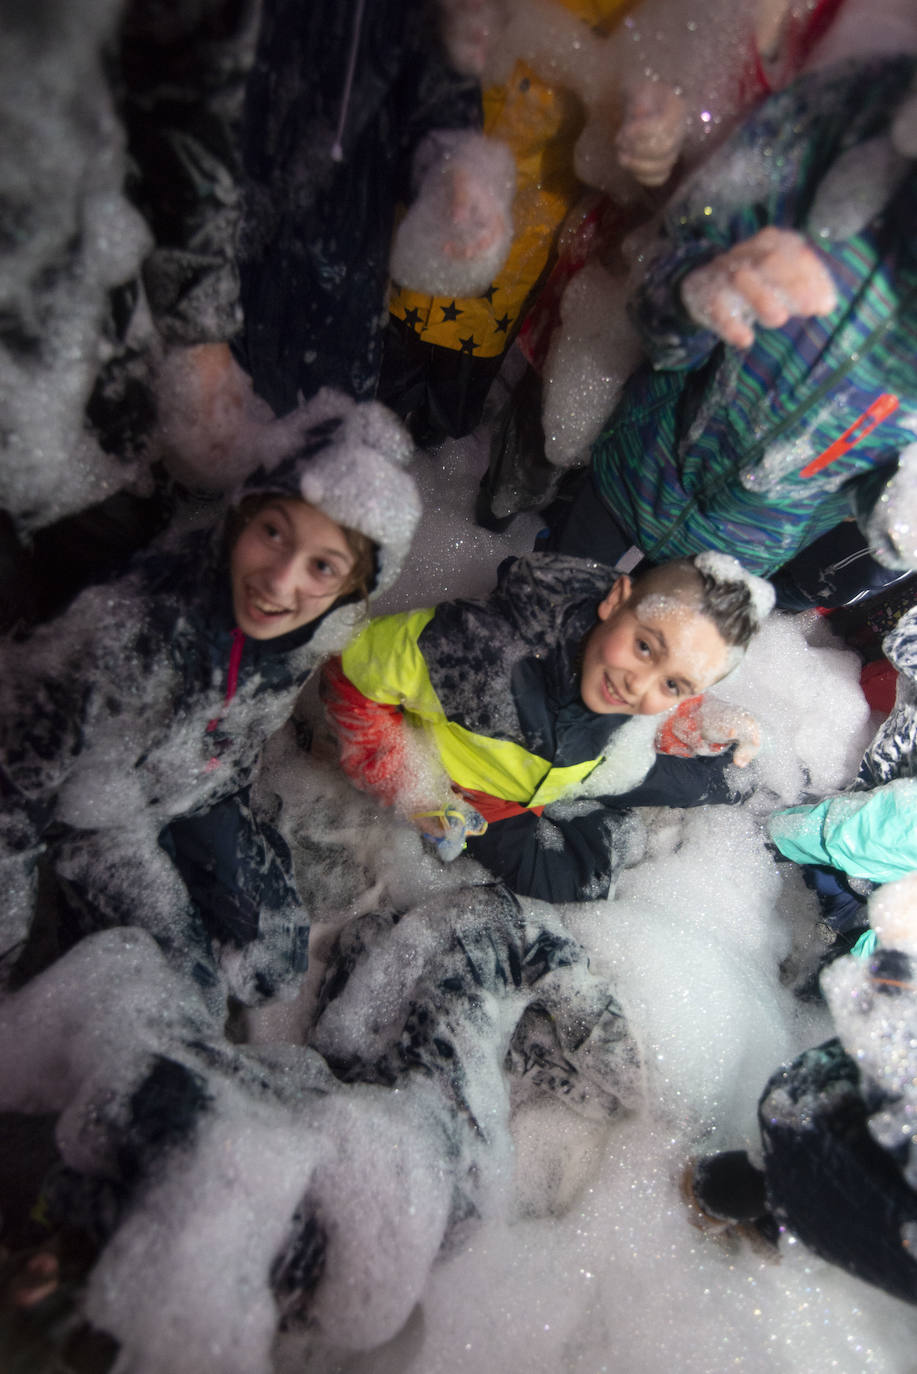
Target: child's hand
<point x="457" y="232"/>
<point x="649" y="141"/>
<point x="449" y="827"/>
<point x="734" y="724"/>
<point x="477" y="218"/>
<point x="704" y="726"/>
<point x="767" y="280"/>
<point x="468" y="29"/>
<point x="209" y="417"/>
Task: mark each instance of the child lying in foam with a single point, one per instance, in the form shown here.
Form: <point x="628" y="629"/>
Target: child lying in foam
<point x="525" y="724"/>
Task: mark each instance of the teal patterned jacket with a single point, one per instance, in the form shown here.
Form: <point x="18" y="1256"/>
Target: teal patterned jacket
<point x="711" y="446"/>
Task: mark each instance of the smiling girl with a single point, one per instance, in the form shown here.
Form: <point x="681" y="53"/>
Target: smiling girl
<point x="131" y="726"/>
<point x="290" y="564"/>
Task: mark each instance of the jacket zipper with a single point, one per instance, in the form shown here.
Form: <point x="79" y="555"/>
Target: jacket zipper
<point x="232" y="682"/>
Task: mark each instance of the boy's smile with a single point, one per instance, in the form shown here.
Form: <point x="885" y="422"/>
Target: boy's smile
<point x="643" y="661"/>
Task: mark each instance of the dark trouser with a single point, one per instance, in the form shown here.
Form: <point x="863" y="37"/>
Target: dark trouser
<point x="239" y="874"/>
<point x="843" y="912"/>
<point x="519" y="476"/>
<point x="440" y="392"/>
<point x="841" y="908"/>
<point x="836" y="570"/>
<point x="586" y="528"/>
<point x="827" y="1178"/>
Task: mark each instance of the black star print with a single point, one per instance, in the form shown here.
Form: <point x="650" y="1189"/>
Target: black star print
<point x="412" y="317"/>
<point x="450" y="312"/>
<point x="501" y="326"/>
<point x="468" y="345"/>
<point x="488" y="295"/>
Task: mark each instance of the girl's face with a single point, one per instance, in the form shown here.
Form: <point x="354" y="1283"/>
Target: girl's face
<point x="288" y="566"/>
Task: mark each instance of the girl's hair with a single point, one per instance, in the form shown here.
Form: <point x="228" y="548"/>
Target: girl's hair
<point x="365" y="563"/>
<point x="362" y="575"/>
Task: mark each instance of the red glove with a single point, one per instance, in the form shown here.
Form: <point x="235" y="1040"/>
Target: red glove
<point x="704" y="726"/>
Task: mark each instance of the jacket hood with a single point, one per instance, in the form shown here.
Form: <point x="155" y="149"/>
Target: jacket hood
<point x="347" y="459"/>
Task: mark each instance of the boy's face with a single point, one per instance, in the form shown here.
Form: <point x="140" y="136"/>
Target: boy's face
<point x="641" y="662"/>
<point x="288" y="566"/>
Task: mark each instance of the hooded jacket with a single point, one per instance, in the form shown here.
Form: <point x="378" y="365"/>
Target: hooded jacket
<point x="143" y="702"/>
<point x="492" y="690"/>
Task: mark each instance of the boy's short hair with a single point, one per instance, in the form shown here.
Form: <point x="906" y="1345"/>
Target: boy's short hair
<point x="729" y="603"/>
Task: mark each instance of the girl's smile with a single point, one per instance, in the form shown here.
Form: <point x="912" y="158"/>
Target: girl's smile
<point x="288" y="566"/>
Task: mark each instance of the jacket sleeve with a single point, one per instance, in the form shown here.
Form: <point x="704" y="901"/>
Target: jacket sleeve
<point x="763" y="175"/>
<point x="183" y="69"/>
<point x="864" y="834"/>
<point x="370" y="735"/>
<point x="674" y="781"/>
<point x="381" y="750"/>
<point x="48" y="697"/>
<point x="573" y="852"/>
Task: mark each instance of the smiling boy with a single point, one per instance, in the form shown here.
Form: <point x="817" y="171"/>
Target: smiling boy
<point x="515" y="721"/>
<point x="653" y="645"/>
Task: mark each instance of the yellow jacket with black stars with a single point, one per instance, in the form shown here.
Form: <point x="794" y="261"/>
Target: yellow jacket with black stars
<point x="540" y="124"/>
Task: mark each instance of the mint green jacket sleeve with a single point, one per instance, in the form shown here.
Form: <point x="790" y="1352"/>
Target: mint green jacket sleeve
<point x="865" y="834"/>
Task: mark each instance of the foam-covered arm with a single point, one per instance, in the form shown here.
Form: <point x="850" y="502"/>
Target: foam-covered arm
<point x="890" y="524"/>
<point x="705" y="221"/>
<point x="379" y="750"/>
<point x="672" y="781"/>
<point x="865" y="834"/>
<point x="456" y="235"/>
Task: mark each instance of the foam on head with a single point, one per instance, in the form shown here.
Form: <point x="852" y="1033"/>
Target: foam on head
<point x="714" y="585"/>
